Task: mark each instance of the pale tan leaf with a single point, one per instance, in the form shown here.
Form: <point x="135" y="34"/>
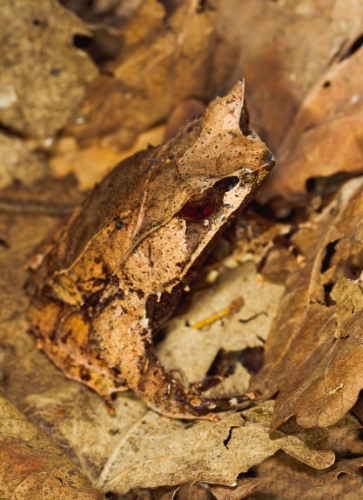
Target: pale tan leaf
<point x="234" y="314"/>
<point x="160" y="451"/>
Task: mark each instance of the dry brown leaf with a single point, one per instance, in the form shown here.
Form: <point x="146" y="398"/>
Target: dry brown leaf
<point x="345" y="437"/>
<point x="283" y="477"/>
<point x="282" y="48"/>
<point x="159" y="451"/>
<point x="32" y="467"/>
<point x="182" y="113"/>
<point x="43" y="76"/>
<point x="151" y="76"/>
<point x="313" y="352"/>
<point x="315" y="145"/>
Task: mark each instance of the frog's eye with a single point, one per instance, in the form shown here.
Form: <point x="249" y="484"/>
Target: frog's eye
<point x="202" y="206"/>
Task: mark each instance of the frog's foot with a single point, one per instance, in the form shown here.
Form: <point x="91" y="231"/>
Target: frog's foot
<point x="166" y="395"/>
<point x="219" y="404"/>
<point x="188" y="404"/>
<point x="203" y="403"/>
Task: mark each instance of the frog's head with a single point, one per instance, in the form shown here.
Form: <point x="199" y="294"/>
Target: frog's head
<point x="200" y="181"/>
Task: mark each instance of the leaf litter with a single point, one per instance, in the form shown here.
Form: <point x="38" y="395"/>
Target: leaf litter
<point x="300" y="297"/>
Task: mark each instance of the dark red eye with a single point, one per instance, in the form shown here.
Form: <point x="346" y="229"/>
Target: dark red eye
<point x="203" y="206"/>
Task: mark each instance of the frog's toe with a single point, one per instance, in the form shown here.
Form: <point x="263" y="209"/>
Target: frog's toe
<point x="218" y="404"/>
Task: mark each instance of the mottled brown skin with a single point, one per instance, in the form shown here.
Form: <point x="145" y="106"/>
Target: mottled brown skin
<point x="116" y="270"/>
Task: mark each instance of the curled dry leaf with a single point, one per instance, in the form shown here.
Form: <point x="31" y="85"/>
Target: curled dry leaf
<point x="43" y="76"/>
<point x="32" y="467"/>
<point x="314" y="350"/>
<point x="245" y="487"/>
<point x="175" y="453"/>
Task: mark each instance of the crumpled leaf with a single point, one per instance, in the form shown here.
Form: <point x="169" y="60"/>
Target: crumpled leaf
<point x="32" y="467"/>
<point x="205" y="451"/>
<point x="144" y="84"/>
<point x="43" y="77"/>
<point x="314" y="350"/>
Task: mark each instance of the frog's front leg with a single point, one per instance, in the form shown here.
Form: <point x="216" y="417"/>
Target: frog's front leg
<point x="128" y="347"/>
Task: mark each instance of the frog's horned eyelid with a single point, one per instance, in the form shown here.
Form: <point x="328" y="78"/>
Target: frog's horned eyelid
<point x="226" y="110"/>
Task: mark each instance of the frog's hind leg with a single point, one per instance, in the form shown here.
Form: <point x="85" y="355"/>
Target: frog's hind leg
<point x="165" y="394"/>
<point x="62" y="333"/>
<point x="130" y="349"/>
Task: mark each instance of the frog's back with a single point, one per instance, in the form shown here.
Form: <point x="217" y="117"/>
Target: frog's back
<point x="116" y="194"/>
